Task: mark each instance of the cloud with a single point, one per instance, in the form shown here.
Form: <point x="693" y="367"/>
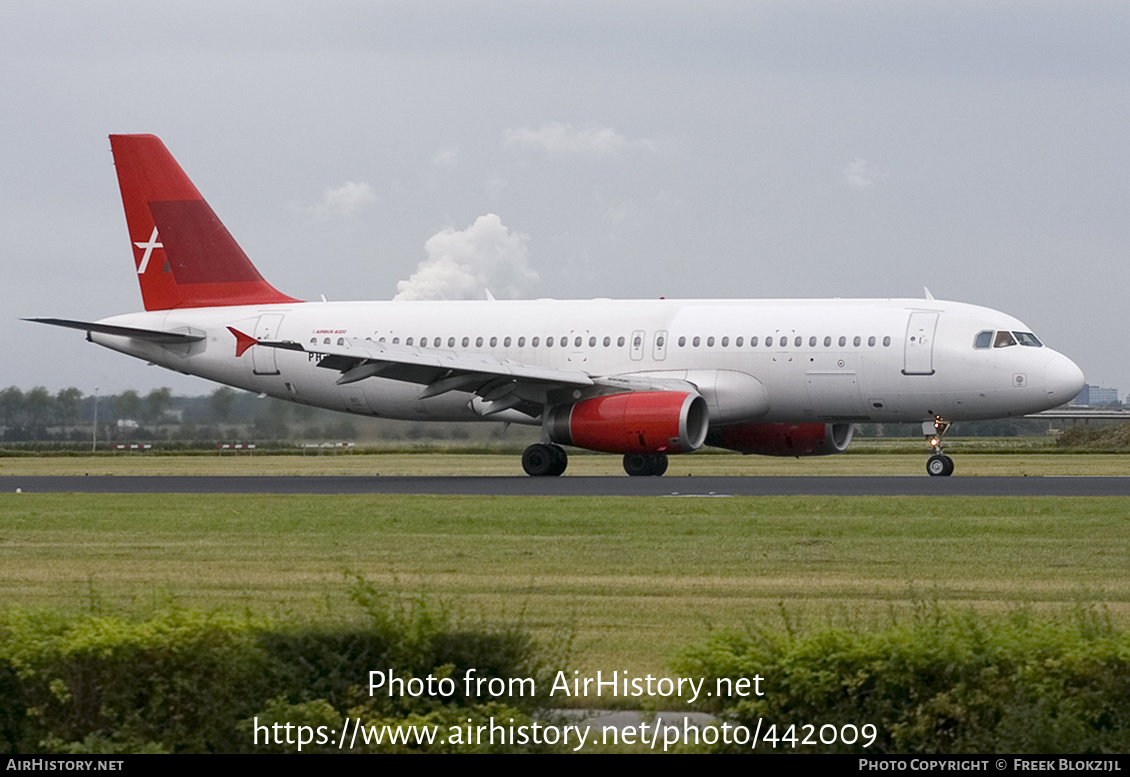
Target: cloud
<point x="859" y="174"/>
<point x="342" y="202"/>
<point x="445" y="156"/>
<point x="557" y="139"/>
<point x="462" y="264"/>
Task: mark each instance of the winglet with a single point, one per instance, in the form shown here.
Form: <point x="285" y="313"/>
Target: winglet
<point x="242" y="341"/>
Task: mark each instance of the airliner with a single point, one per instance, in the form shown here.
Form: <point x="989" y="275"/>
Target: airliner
<point x="641" y="378"/>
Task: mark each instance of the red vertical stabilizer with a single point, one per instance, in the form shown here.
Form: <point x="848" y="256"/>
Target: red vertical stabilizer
<point x="185" y="257"/>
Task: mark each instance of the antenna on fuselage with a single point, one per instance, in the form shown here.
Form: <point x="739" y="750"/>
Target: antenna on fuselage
<point x="926" y="291"/>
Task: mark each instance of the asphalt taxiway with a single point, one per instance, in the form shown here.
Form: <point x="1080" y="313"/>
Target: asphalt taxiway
<point x="574" y="486"/>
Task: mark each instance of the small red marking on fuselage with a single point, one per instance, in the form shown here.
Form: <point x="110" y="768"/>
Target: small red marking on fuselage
<point x="242" y="341"/>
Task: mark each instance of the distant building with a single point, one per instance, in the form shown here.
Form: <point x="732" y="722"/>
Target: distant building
<point x="1095" y="396"/>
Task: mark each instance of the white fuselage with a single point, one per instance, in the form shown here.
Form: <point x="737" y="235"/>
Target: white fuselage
<point x="838" y="360"/>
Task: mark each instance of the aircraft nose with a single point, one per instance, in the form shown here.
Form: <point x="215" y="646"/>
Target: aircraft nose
<point x="1063" y="379"/>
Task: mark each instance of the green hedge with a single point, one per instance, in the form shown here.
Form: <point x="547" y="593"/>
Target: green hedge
<point x="186" y="681"/>
<point x="946" y="683"/>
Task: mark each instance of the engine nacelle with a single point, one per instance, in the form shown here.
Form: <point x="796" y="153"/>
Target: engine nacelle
<point x="636" y="422"/>
<point x="783" y="439"/>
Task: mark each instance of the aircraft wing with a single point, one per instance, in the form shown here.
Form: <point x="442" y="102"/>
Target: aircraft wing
<point x="501" y="384"/>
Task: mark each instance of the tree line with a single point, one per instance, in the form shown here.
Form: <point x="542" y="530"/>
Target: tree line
<point x="68" y="416"/>
<point x="227" y="414"/>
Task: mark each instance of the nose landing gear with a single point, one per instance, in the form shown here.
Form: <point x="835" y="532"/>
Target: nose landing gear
<point x="939" y="464"/>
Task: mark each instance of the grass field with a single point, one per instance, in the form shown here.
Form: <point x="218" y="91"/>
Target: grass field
<point x="874" y="459"/>
<point x="629" y="581"/>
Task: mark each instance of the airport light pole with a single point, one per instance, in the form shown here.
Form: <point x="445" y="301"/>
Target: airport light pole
<point x="94" y="428"/>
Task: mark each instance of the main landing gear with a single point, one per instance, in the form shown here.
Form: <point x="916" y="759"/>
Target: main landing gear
<point x="544" y="460"/>
<point x="939" y="464"/>
<point x="541" y="460"/>
<point x="643" y="464"/>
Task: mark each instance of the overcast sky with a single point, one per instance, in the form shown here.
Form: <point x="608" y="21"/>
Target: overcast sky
<point x="578" y="149"/>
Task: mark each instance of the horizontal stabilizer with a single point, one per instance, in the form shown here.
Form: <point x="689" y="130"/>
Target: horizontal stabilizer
<point x="152" y="335"/>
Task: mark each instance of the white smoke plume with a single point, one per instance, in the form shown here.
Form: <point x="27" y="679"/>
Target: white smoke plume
<point x="463" y="264"/>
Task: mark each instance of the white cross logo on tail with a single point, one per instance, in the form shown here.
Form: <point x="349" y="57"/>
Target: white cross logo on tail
<point x="148" y="251"/>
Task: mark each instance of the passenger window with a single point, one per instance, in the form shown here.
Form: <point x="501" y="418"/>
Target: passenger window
<point x="326" y="341"/>
<point x="408" y="341"/>
<point x="739" y="341"/>
<point x="313" y="341"/>
<point x="493" y="342"/>
<point x="506" y="342"/>
<point x="341" y="340"/>
<point x="856" y="341"/>
<point x="725" y="342"/>
<point x="886" y="341"/>
<point x="753" y="342"/>
<point x="1004" y="339"/>
<point x="983" y="339"/>
<point x="659" y="341"/>
<point x="843" y="341"/>
<point x="396" y="341"/>
<point x="871" y="341"/>
<point x="466" y="341"/>
<point x="682" y="342"/>
<point x="478" y="342"/>
<point x="608" y="341"/>
<point x="620" y="341"/>
<point x="534" y="342"/>
<point x="812" y="342"/>
<point x="548" y="342"/>
<point x="577" y="342"/>
<point x="451" y="342"/>
<point x="710" y="342"/>
<point x="797" y="341"/>
<point x="827" y="342"/>
<point x="592" y="342"/>
<point x="696" y="341"/>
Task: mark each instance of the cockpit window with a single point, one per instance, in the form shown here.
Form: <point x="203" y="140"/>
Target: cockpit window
<point x="1004" y="339"/>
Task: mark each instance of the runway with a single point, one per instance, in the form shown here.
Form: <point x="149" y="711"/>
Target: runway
<point x="576" y="486"/>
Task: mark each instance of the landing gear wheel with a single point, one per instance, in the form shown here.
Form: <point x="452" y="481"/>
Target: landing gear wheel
<point x="541" y="460"/>
<point x="939" y="465"/>
<point x="637" y="464"/>
<point x="643" y="464"/>
<point x="561" y="460"/>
